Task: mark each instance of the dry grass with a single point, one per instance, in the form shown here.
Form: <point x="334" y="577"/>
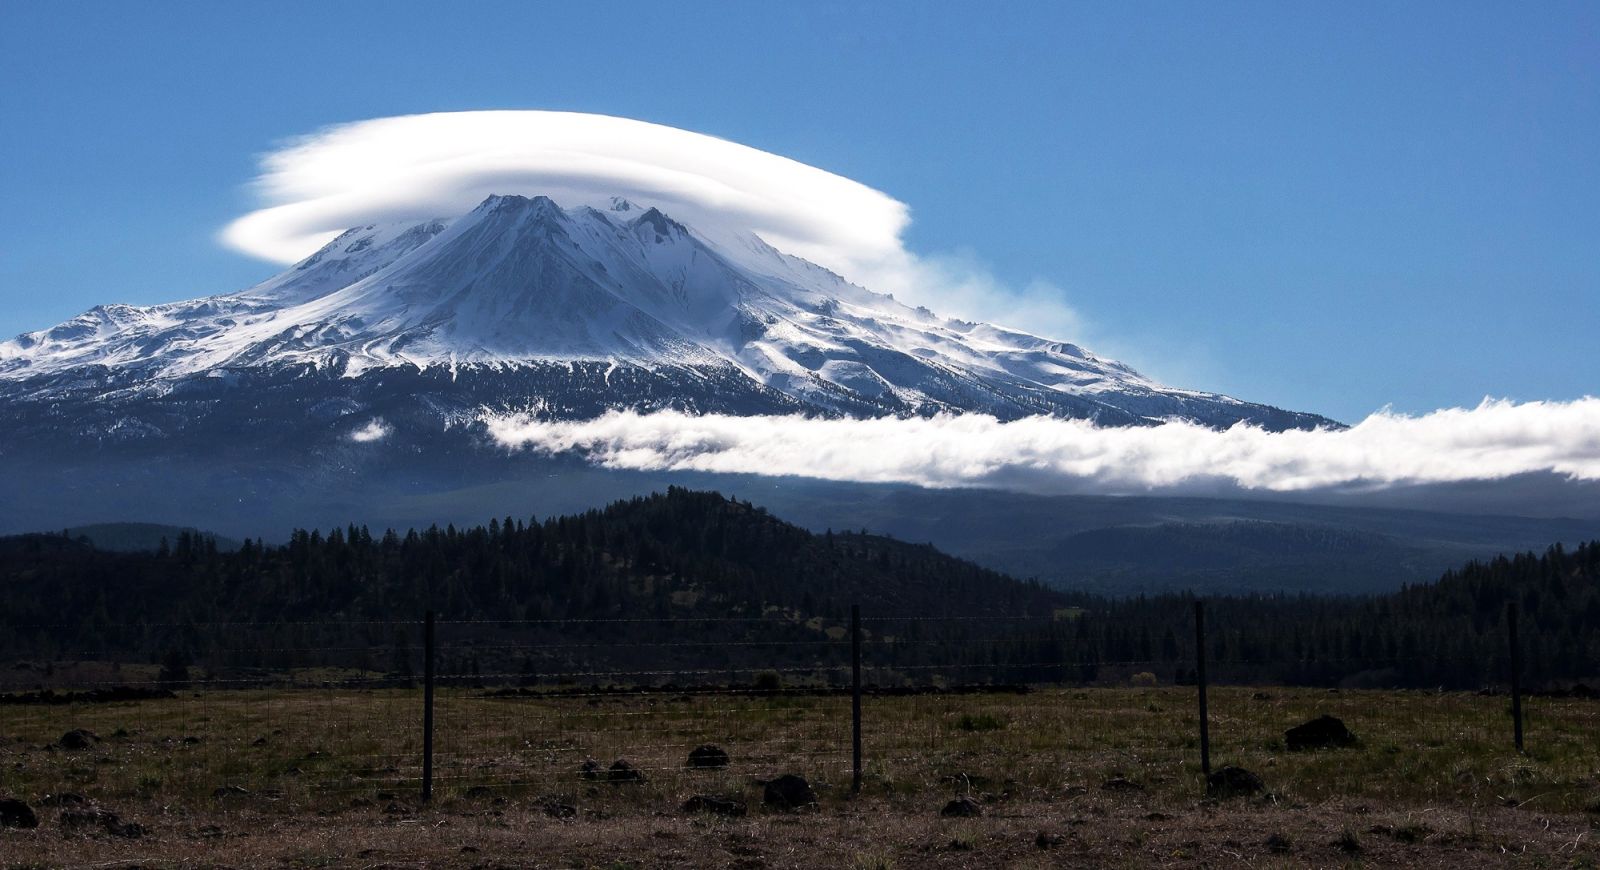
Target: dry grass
<point x="332" y="779"/>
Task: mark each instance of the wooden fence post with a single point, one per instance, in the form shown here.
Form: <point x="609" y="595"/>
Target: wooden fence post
<point x="427" y="709"/>
<point x="1516" y="673"/>
<point x="1200" y="683"/>
<point x="855" y="697"/>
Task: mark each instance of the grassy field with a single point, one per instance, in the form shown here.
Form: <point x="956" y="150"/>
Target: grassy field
<point x="312" y="778"/>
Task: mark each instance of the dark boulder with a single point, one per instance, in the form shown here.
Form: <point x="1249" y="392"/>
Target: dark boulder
<point x="78" y="739"/>
<point x="1230" y="781"/>
<point x="16" y="814"/>
<point x="557" y="809"/>
<point x="65" y="799"/>
<point x="717" y="805"/>
<point x="962" y="808"/>
<point x="623" y="772"/>
<point x="708" y="757"/>
<point x="788" y="792"/>
<point x="590" y="769"/>
<point x="1323" y="732"/>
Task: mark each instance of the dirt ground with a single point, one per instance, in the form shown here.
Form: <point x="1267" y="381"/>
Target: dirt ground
<point x="1094" y="829"/>
<point x="329" y="779"/>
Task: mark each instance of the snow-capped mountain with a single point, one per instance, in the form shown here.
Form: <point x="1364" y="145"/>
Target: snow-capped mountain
<point x="566" y="312"/>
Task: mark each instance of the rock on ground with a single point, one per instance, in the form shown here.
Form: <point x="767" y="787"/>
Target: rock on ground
<point x="78" y="738"/>
<point x="623" y="772"/>
<point x="708" y="757"/>
<point x="1230" y="781"/>
<point x="788" y="792"/>
<point x="1323" y="732"/>
<point x="962" y="808"/>
<point x="16" y="814"/>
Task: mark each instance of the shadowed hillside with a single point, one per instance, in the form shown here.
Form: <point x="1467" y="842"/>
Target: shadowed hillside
<point x="695" y="566"/>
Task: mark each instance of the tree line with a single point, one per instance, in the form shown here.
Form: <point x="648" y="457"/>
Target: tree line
<point x="697" y="582"/>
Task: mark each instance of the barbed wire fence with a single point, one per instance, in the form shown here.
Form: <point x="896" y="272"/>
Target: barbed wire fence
<point x="571" y="710"/>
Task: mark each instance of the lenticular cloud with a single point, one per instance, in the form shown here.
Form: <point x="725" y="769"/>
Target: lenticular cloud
<point x="443" y="164"/>
<point x="1495" y="440"/>
<point x="440" y="165"/>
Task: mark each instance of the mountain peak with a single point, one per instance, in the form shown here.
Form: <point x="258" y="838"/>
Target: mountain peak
<point x="512" y="202"/>
<point x="521" y="284"/>
<point x="664" y="226"/>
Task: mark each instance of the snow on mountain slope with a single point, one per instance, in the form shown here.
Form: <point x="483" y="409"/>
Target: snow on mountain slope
<point x="180" y="337"/>
<point x="522" y="284"/>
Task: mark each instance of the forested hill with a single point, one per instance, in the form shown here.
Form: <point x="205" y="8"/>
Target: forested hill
<point x="1451" y="633"/>
<point x="729" y="574"/>
<point x="680" y="554"/>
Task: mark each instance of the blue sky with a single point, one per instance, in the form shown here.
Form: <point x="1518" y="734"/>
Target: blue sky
<point x="1329" y="207"/>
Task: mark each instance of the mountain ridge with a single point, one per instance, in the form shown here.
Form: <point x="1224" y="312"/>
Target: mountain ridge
<point x="520" y="288"/>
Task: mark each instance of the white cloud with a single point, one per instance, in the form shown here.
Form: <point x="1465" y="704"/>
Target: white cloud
<point x="443" y="164"/>
<point x="375" y="430"/>
<point x="1495" y="440"/>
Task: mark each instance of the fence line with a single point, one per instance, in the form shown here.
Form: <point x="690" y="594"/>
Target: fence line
<point x="514" y="705"/>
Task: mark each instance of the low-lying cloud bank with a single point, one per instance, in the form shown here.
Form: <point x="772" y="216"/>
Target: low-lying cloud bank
<point x="1495" y="440"/>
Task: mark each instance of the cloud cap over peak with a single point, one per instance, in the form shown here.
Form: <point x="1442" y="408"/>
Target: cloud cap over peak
<point x="442" y="164"/>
